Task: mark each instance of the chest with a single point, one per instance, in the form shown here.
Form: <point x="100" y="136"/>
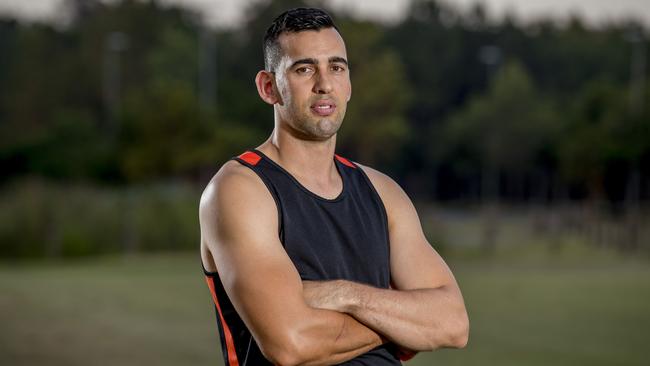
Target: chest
<point x="346" y="239"/>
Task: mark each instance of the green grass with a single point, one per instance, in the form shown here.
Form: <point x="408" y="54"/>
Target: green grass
<point x="142" y="310"/>
<point x="578" y="307"/>
<point x="542" y="316"/>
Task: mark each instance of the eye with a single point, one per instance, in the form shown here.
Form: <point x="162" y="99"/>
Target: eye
<point x="338" y="68"/>
<point x="303" y="70"/>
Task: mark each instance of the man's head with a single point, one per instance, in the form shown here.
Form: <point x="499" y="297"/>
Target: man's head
<point x="306" y="74"/>
<point x="292" y="21"/>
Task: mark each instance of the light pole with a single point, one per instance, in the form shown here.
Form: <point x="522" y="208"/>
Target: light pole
<point x="490" y="56"/>
<point x="207" y="74"/>
<point x="114" y="44"/>
<point x="637" y="108"/>
<point x="637" y="70"/>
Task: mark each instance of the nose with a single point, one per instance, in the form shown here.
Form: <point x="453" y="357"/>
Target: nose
<point x="322" y="84"/>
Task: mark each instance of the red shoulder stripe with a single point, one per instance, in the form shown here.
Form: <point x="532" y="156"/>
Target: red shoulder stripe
<point x="250" y="157"/>
<point x="230" y="343"/>
<point x="345" y="161"/>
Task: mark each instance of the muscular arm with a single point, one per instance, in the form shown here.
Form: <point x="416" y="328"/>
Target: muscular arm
<point x="425" y="309"/>
<point x="239" y="231"/>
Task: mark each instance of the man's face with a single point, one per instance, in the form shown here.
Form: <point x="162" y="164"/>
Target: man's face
<point x="313" y="81"/>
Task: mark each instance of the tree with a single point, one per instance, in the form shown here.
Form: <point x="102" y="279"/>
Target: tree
<point x="375" y="130"/>
<point x="507" y="127"/>
<point x="589" y="140"/>
<point x="502" y="132"/>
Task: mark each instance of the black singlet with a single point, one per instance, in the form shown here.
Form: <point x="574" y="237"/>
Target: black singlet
<point x="341" y="238"/>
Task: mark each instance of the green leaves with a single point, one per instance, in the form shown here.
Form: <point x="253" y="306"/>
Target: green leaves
<point x="507" y="127"/>
<point x="375" y="128"/>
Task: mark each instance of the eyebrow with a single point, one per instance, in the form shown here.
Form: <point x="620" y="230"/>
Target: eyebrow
<point x="313" y="61"/>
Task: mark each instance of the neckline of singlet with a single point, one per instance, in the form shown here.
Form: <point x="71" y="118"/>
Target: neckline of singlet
<point x="339" y="197"/>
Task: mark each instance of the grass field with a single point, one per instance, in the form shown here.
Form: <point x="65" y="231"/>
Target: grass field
<point x="583" y="308"/>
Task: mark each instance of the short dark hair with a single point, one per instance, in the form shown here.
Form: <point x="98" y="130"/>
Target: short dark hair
<point x="292" y="21"/>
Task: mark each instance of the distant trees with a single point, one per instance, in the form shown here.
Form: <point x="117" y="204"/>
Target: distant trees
<point x="449" y="102"/>
<point x="504" y="134"/>
<point x="456" y="107"/>
<point x="375" y="129"/>
<point x="505" y="131"/>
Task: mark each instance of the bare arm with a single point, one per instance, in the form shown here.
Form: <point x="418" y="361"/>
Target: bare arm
<point x="425" y="309"/>
<point x="239" y="231"/>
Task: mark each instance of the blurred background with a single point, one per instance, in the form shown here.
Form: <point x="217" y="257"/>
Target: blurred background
<point x="521" y="130"/>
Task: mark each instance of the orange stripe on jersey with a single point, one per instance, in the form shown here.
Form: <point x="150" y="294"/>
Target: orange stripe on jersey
<point x="250" y="157"/>
<point x="345" y="161"/>
<point x="230" y="343"/>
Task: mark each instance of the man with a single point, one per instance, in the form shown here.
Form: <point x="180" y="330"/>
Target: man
<point x="312" y="259"/>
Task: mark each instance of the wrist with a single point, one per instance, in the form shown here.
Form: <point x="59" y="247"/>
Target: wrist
<point x="350" y="296"/>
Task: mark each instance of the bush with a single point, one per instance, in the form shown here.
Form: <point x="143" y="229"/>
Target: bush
<point x="45" y="219"/>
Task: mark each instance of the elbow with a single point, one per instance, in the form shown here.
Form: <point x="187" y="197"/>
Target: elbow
<point x="459" y="332"/>
<point x="284" y="350"/>
<point x="281" y="354"/>
<point x="283" y="359"/>
<point x="454" y="334"/>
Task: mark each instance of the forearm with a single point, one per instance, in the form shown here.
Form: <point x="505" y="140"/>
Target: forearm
<point x="346" y="340"/>
<point x="420" y="320"/>
<point x="322" y="337"/>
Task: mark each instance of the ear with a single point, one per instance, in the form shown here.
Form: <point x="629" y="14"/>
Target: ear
<point x="349" y="94"/>
<point x="265" y="82"/>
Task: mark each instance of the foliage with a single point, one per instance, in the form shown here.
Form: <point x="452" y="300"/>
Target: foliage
<point x="118" y="95"/>
<point x="508" y="126"/>
<point x="39" y="219"/>
<point x="375" y="129"/>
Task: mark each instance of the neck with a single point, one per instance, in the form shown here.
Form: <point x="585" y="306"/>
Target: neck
<point x="310" y="160"/>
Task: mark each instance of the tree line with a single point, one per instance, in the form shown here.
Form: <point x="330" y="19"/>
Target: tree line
<point x="454" y="105"/>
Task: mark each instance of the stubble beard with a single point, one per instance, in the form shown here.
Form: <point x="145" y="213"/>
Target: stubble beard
<point x="310" y="127"/>
<point x="321" y="129"/>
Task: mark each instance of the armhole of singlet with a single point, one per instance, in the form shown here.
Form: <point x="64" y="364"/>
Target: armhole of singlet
<point x="205" y="271"/>
<point x="271" y="189"/>
<point x="381" y="205"/>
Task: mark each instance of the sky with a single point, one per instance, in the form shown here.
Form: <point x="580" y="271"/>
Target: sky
<point x="227" y="12"/>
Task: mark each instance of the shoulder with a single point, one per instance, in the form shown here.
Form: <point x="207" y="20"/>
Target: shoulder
<point x="388" y="189"/>
<point x="234" y="186"/>
<point x="402" y="217"/>
<point x="397" y="203"/>
<point x="232" y="178"/>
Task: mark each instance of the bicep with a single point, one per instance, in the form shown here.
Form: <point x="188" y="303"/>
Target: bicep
<point x="413" y="261"/>
<point x="239" y="227"/>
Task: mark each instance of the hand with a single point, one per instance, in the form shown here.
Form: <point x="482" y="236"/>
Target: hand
<point x="327" y="295"/>
<point x="405" y="354"/>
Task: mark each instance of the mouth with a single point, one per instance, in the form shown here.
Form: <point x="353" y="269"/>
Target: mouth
<point x="323" y="107"/>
